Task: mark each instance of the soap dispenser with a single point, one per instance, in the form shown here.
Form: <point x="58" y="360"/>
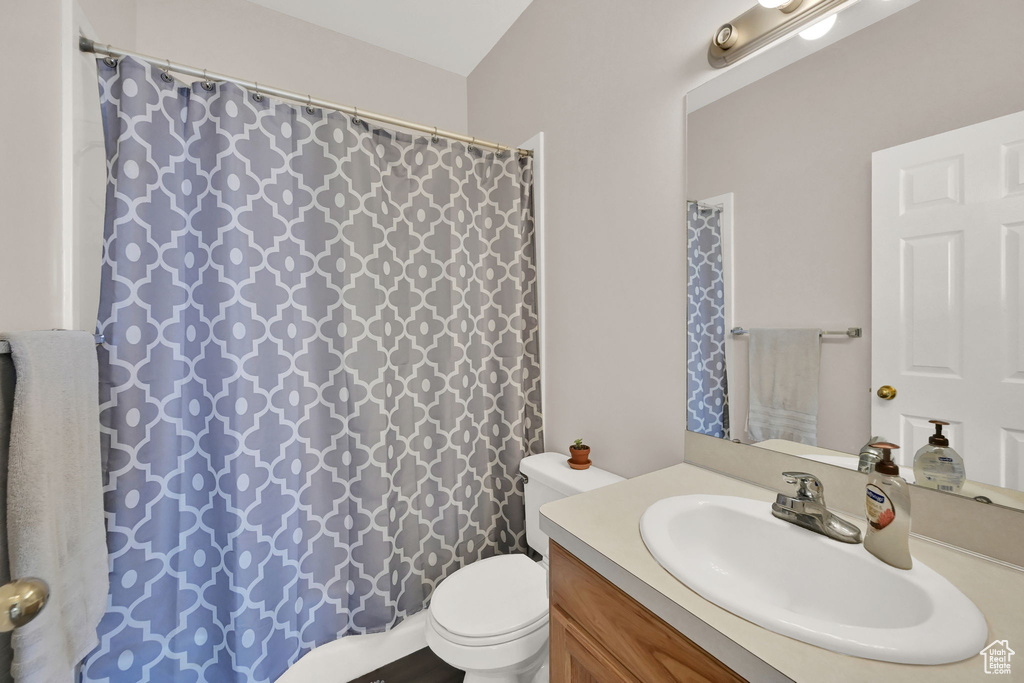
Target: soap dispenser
<point x="938" y="466"/>
<point x="888" y="512"/>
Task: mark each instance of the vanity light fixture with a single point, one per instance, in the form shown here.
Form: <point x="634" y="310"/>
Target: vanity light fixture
<point x="818" y="30"/>
<point x="769" y="21"/>
<point x="784" y="5"/>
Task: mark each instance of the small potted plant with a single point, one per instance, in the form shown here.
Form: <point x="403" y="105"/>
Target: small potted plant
<point x="579" y="455"/>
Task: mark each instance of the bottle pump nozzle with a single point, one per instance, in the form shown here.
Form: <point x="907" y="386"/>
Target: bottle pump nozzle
<point x="938" y="438"/>
<point x="886" y="464"/>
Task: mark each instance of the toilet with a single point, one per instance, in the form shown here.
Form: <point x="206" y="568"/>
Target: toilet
<point x="490" y="618"/>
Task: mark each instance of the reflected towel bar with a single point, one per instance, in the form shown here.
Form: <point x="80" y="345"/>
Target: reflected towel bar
<point x="5" y="346"/>
<point x="851" y="332"/>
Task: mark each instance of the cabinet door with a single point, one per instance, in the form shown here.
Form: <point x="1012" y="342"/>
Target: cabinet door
<point x="623" y="631"/>
<point x="576" y="658"/>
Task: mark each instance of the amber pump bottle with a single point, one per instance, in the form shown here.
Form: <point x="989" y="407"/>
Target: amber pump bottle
<point x="888" y="512"/>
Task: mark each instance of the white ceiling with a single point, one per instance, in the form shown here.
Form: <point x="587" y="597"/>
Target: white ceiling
<point x="452" y="34"/>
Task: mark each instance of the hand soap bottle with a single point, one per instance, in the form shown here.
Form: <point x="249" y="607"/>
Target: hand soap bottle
<point x="888" y="512"/>
<point x="938" y="466"/>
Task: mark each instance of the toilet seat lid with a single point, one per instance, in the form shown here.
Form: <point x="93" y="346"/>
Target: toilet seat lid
<point x="492" y="597"/>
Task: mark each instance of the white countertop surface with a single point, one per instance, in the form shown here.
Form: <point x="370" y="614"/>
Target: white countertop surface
<point x="601" y="527"/>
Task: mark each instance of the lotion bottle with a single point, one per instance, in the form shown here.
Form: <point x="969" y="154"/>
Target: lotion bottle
<point x="888" y="512"/>
<point x="938" y="466"/>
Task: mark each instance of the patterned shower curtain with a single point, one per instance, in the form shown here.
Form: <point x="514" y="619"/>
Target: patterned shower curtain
<point x="707" y="400"/>
<point x="320" y="377"/>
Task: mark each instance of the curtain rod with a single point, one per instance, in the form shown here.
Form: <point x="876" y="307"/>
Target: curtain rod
<point x="706" y="207"/>
<point x="87" y="45"/>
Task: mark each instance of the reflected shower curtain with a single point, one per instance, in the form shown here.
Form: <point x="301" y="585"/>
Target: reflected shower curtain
<point x="707" y="400"/>
<point x="320" y="377"/>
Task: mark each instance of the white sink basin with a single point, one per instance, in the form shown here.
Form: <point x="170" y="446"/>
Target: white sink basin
<point x="792" y="581"/>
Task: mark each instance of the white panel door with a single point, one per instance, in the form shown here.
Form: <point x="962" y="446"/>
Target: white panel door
<point x="948" y="295"/>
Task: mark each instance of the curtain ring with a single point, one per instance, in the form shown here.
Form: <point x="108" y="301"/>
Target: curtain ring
<point x="471" y="143"/>
<point x="434" y="138"/>
<point x="257" y="96"/>
<point x="355" y="115"/>
<point x="108" y="60"/>
<point x="207" y="83"/>
<point x="309" y="104"/>
<point x="165" y="75"/>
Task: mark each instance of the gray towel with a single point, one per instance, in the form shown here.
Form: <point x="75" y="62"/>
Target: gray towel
<point x="55" y="524"/>
<point x="784" y="367"/>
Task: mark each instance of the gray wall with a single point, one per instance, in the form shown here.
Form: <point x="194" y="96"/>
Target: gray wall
<point x="30" y="166"/>
<point x="605" y="81"/>
<point x="795" y="148"/>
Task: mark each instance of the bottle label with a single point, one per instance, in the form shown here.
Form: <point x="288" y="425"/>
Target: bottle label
<point x="879" y="508"/>
<point x="944" y="474"/>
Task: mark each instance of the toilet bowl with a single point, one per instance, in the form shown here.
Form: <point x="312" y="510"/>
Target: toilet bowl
<point x="490" y="618"/>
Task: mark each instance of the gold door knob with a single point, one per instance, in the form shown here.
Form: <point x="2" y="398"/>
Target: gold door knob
<point x="887" y="392"/>
<point x="21" y="601"/>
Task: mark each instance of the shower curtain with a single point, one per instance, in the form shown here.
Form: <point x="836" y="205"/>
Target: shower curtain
<point x="320" y="377"/>
<point x="707" y="400"/>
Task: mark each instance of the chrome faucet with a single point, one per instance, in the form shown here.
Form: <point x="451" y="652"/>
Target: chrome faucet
<point x="869" y="455"/>
<point x="807" y="509"/>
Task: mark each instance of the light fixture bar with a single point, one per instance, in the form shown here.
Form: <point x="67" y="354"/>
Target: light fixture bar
<point x="759" y="26"/>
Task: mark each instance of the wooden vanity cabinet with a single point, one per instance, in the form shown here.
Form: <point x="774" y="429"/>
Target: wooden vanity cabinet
<point x="601" y="635"/>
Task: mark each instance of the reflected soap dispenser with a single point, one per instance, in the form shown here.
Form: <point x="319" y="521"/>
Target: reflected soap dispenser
<point x="938" y="466"/>
<point x="888" y="512"/>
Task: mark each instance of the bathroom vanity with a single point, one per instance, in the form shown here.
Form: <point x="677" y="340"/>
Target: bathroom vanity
<point x="617" y="615"/>
<point x="599" y="633"/>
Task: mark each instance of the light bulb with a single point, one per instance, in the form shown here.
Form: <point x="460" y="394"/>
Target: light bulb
<point x="819" y="29"/>
<point x="773" y="4"/>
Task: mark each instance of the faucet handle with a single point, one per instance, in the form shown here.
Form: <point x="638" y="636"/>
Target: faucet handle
<point x="809" y="486"/>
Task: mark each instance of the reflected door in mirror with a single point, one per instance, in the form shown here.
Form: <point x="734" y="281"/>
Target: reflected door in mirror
<point x="948" y="238"/>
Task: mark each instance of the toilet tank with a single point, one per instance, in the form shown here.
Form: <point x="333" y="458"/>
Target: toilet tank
<point x="548" y="478"/>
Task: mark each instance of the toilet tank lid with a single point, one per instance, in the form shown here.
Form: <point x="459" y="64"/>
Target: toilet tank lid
<point x="552" y="470"/>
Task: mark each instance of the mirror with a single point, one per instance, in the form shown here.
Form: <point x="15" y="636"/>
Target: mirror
<point x="876" y="184"/>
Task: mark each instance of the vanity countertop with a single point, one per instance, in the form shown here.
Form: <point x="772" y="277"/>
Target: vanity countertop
<point x="602" y="528"/>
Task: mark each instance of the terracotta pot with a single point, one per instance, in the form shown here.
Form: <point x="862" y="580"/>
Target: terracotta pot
<point x="579" y="458"/>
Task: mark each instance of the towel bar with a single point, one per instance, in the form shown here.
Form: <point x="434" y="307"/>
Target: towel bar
<point x="5" y="346"/>
<point x="851" y="332"/>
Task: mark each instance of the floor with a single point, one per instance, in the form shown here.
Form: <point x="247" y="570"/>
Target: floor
<point x="422" y="666"/>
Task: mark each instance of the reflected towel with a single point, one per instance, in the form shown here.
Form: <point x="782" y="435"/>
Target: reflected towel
<point x="784" y="366"/>
<point x="55" y="499"/>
